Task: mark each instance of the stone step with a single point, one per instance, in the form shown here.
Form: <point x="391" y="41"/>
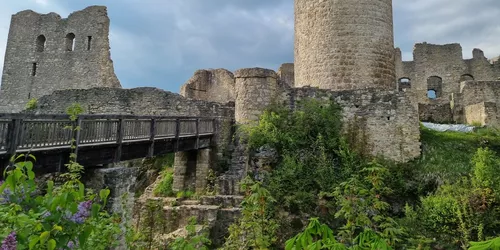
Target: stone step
<point x="179" y="216"/>
<point x="191" y="202"/>
<point x="224" y="201"/>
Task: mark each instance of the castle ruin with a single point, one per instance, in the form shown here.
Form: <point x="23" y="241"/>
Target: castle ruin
<point x="344" y="51"/>
<point x="47" y="53"/>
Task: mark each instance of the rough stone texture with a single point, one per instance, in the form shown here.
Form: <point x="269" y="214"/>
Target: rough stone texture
<point x="484" y="113"/>
<point x="479" y="101"/>
<point x="88" y="65"/>
<point x="256" y="88"/>
<point x="286" y="75"/>
<point x="344" y="44"/>
<point x="120" y="181"/>
<point x="437" y="112"/>
<point x="214" y="85"/>
<point x="386" y="121"/>
<point x="446" y="62"/>
<point x="167" y="215"/>
<point x="137" y="101"/>
<point x="191" y="170"/>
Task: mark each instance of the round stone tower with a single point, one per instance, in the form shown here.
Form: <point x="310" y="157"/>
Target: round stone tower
<point x="256" y="88"/>
<point x="344" y="44"/>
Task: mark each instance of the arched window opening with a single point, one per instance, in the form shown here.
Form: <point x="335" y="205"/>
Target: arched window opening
<point x="431" y="94"/>
<point x="434" y="87"/>
<point x="466" y="77"/>
<point x="404" y="84"/>
<point x="70" y="42"/>
<point x="40" y="43"/>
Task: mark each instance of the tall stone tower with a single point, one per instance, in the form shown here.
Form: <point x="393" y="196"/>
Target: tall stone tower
<point x="46" y="53"/>
<point x="344" y="44"/>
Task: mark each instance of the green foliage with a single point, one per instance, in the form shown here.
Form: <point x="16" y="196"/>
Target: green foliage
<point x="288" y="131"/>
<point x="461" y="212"/>
<point x="255" y="229"/>
<point x="319" y="236"/>
<point x="188" y="194"/>
<point x="193" y="240"/>
<point x="64" y="216"/>
<point x="31" y="104"/>
<point x="493" y="244"/>
<point x="362" y="208"/>
<point x="315" y="236"/>
<point x="164" y="188"/>
<point x="308" y="142"/>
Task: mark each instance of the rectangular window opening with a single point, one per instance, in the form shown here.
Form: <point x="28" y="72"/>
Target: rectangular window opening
<point x="89" y="42"/>
<point x="33" y="69"/>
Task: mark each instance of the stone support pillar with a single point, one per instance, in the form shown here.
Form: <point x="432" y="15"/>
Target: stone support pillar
<point x="202" y="168"/>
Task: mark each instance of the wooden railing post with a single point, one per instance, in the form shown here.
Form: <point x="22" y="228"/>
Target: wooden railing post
<point x="119" y="141"/>
<point x="13" y="135"/>
<point x="197" y="133"/>
<point x="177" y="134"/>
<point x="152" y="135"/>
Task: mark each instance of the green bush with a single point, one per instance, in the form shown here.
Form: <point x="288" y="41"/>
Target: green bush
<point x="31" y="104"/>
<point x="65" y="217"/>
<point x="164" y="188"/>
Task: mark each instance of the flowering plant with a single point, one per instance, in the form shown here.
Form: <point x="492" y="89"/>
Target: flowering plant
<point x="64" y="217"/>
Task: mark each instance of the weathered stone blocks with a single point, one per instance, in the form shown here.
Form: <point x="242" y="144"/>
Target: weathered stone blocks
<point x="256" y="88"/>
<point x="344" y="44"/>
<point x="47" y="53"/>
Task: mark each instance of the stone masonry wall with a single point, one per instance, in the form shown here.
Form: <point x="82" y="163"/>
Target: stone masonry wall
<point x="256" y="88"/>
<point x="446" y="62"/>
<point x="483" y="113"/>
<point x="344" y="44"/>
<point x="137" y="101"/>
<point x="47" y="53"/>
<point x="386" y="121"/>
<point x="214" y="85"/>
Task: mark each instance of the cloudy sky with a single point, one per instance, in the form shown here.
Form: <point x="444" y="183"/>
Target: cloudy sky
<point x="161" y="43"/>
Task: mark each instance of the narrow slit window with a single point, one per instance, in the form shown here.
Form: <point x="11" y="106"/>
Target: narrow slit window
<point x="70" y="42"/>
<point x="89" y="42"/>
<point x="33" y="69"/>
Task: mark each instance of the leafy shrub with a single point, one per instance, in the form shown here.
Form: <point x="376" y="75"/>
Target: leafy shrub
<point x="31" y="104"/>
<point x="255" y="228"/>
<point x="164" y="188"/>
<point x="66" y="217"/>
<point x="193" y="240"/>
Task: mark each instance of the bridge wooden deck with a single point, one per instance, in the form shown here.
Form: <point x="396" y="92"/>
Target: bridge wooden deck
<point x="101" y="139"/>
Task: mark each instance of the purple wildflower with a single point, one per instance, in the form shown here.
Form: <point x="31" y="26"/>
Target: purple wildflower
<point x="46" y="214"/>
<point x="72" y="245"/>
<point x="83" y="212"/>
<point x="10" y="242"/>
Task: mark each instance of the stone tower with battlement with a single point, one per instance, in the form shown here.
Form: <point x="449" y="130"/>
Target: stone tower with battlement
<point x="344" y="44"/>
<point x="46" y="53"/>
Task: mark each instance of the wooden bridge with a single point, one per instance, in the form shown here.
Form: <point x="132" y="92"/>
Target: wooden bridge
<point x="100" y="139"/>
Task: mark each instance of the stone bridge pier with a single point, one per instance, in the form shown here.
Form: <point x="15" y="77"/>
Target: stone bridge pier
<point x="191" y="170"/>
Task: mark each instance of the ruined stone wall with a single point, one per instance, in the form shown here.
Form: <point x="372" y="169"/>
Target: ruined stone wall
<point x="446" y="62"/>
<point x="47" y="53"/>
<point x="437" y="112"/>
<point x="137" y="101"/>
<point x="214" y="85"/>
<point x="256" y="89"/>
<point x="344" y="44"/>
<point x="483" y="113"/>
<point x="385" y="122"/>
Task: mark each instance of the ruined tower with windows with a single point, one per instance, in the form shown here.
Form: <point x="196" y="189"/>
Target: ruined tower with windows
<point x="47" y="53"/>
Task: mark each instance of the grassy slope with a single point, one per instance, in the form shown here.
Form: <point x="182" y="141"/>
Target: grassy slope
<point x="447" y="155"/>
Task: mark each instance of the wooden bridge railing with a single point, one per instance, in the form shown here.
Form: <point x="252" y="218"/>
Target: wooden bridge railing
<point x="22" y="133"/>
